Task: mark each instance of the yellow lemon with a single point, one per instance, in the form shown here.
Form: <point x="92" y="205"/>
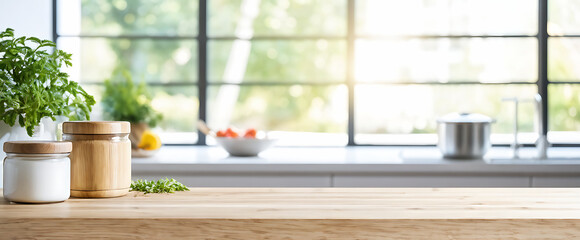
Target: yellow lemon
<point x="149" y="141"/>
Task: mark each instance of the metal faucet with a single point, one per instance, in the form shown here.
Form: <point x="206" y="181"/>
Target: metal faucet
<point x="541" y="143"/>
<point x="514" y="146"/>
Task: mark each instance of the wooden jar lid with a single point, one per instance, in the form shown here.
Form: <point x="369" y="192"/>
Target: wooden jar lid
<point x="96" y="127"/>
<point x="45" y="147"/>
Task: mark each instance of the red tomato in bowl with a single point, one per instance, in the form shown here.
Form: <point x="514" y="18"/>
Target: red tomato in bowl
<point x="220" y="133"/>
<point x="250" y="133"/>
<point x="231" y="133"/>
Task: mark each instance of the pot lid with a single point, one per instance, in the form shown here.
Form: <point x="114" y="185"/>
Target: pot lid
<point x="465" y="118"/>
<point x="96" y="127"/>
<point x="37" y="147"/>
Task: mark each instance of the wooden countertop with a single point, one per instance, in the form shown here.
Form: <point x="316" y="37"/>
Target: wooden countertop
<point x="305" y="213"/>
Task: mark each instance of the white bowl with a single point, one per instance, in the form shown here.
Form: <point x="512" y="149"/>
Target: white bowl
<point x="142" y="153"/>
<point x="244" y="147"/>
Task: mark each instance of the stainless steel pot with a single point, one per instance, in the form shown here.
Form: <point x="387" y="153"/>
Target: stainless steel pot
<point x="464" y="135"/>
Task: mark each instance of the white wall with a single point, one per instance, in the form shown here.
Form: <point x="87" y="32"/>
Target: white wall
<point x="27" y="17"/>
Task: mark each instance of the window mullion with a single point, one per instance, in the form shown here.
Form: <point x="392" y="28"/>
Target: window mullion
<point x="54" y="23"/>
<point x="350" y="69"/>
<point x="543" y="61"/>
<point x="202" y="67"/>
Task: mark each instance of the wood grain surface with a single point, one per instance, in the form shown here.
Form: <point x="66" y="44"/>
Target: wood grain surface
<point x="37" y="147"/>
<point x="96" y="127"/>
<point x="305" y="213"/>
<point x="100" y="165"/>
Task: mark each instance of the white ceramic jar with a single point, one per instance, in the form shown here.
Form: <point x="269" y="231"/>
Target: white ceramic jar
<point x="37" y="171"/>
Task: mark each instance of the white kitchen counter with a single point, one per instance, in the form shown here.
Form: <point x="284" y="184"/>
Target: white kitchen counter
<point x="354" y="159"/>
<point x="371" y="166"/>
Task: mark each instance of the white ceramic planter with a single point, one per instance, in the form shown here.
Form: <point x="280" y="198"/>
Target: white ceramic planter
<point x="46" y="131"/>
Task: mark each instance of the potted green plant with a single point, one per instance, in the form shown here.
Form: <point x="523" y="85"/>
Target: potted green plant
<point x="124" y="100"/>
<point x="32" y="85"/>
<point x="33" y="90"/>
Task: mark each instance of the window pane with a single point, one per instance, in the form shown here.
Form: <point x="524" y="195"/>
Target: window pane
<point x="446" y="17"/>
<point x="97" y="92"/>
<point x="128" y="17"/>
<point x="280" y="108"/>
<point x="563" y="59"/>
<point x="447" y="60"/>
<point x="94" y="59"/>
<point x="273" y="17"/>
<point x="563" y="17"/>
<point x="564" y="113"/>
<point x="277" y="61"/>
<point x="178" y="105"/>
<point x="414" y="109"/>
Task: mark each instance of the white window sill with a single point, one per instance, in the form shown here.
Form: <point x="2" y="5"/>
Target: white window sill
<point x="201" y="159"/>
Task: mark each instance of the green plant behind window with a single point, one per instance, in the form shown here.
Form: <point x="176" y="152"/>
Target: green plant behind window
<point x="123" y="100"/>
<point x="32" y="85"/>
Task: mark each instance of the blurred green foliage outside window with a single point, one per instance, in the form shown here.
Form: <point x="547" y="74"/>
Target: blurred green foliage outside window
<point x="282" y="65"/>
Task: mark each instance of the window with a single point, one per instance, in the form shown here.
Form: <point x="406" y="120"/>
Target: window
<point x="563" y="72"/>
<point x="155" y="40"/>
<point x="339" y="72"/>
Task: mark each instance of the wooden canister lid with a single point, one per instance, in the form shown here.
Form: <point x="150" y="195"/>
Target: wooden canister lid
<point x="96" y="127"/>
<point x="45" y="147"/>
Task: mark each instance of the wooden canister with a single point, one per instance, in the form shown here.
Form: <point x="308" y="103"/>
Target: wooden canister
<point x="100" y="158"/>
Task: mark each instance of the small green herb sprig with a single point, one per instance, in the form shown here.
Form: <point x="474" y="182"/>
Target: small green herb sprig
<point x="160" y="186"/>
